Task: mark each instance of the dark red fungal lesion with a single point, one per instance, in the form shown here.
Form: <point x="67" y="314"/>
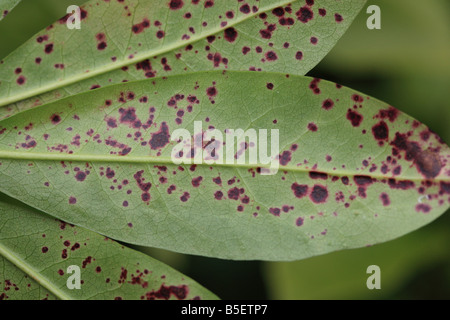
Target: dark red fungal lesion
<point x="327" y="104"/>
<point x="48" y="48"/>
<point x="21" y="80"/>
<point x="314" y="86"/>
<point x="354" y="117"/>
<point x="101" y="41"/>
<point x="196" y="181"/>
<point x="285" y="158"/>
<point x="80" y="176"/>
<point x="318" y="175"/>
<point x="166" y="292"/>
<point x="380" y="131"/>
<point x="312" y="127"/>
<point x="230" y="34"/>
<point x="304" y="14"/>
<point x="385" y="200"/>
<point x="299" y="190"/>
<point x="390" y="113"/>
<point x="245" y="9"/>
<point x="55" y="118"/>
<point x="319" y="194"/>
<point x="271" y="56"/>
<point x="427" y="162"/>
<point x="185" y="196"/>
<point x="275" y="211"/>
<point x="422" y="207"/>
<point x="139" y="27"/>
<point x="161" y="138"/>
<point x="401" y="184"/>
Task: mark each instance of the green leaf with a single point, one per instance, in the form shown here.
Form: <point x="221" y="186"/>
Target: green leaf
<point x="36" y="251"/>
<point x="125" y="41"/>
<point x="6" y="6"/>
<point x="353" y="170"/>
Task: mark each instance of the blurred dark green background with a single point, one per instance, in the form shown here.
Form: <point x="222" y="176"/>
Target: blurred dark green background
<point x="406" y="64"/>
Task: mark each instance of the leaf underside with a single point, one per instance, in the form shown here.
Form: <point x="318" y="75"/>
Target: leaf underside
<point x="353" y="172"/>
<point x="35" y="257"/>
<point x="134" y="40"/>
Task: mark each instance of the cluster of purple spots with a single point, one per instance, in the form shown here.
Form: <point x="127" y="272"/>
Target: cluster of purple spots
<point x="217" y="59"/>
<point x="160" y="138"/>
<point x="421" y="207"/>
<point x="101" y="41"/>
<point x="317" y="194"/>
<point x="318" y="175"/>
<point x="124" y="149"/>
<point x="165" y="64"/>
<point x="427" y="162"/>
<point x="144" y="186"/>
<point x="48" y="48"/>
<point x="285" y="158"/>
<point x="76" y="140"/>
<point x="230" y="34"/>
<point x="236" y="194"/>
<point x="196" y="181"/>
<point x="80" y="176"/>
<point x="391" y="114"/>
<point x="123" y="275"/>
<point x="305" y="14"/>
<point x="277" y="211"/>
<point x="185" y="196"/>
<point x="171" y="189"/>
<point x="267" y="33"/>
<point x="127" y="117"/>
<point x="138" y="279"/>
<point x="28" y="144"/>
<point x="217" y="180"/>
<point x="354" y="117"/>
<point x="280" y="14"/>
<point x="314" y="86"/>
<point x="401" y="184"/>
<point x="146" y="67"/>
<point x="86" y="261"/>
<point x="166" y="292"/>
<point x="384" y="197"/>
<point x="139" y="27"/>
<point x="363" y="182"/>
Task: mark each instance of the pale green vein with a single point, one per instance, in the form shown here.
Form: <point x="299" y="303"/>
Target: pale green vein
<point x="39" y="156"/>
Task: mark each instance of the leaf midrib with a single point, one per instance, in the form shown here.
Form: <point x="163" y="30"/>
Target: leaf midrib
<point x="137" y="58"/>
<point x="29" y="270"/>
<point x="39" y="156"/>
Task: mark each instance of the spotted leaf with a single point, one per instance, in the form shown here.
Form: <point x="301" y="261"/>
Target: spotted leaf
<point x="352" y="171"/>
<point x="39" y="254"/>
<point x="6" y="6"/>
<point x="138" y="39"/>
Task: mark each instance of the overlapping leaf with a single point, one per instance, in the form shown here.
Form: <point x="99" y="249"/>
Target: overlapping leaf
<point x="353" y="170"/>
<point x="6" y="6"/>
<point x="36" y="251"/>
<point x="137" y="39"/>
